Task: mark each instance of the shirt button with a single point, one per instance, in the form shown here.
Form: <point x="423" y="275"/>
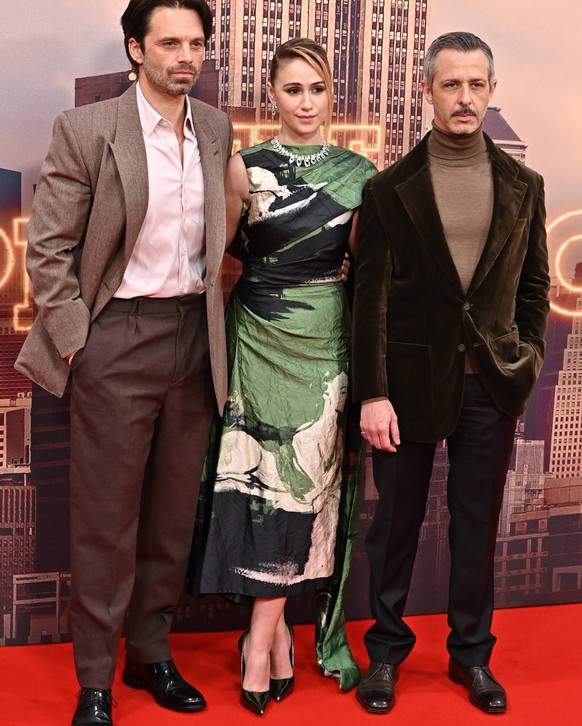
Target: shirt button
<point x="467" y="306"/>
<point x="461" y="347"/>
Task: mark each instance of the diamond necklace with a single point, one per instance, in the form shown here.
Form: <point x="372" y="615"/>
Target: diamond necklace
<point x="301" y="159"/>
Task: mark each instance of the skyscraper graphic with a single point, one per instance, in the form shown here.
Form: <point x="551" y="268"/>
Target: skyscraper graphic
<point x="505" y="137"/>
<point x="18" y="499"/>
<point x="375" y="49"/>
<point x="525" y="481"/>
<point x="17" y="541"/>
<point x="17" y="504"/>
<point x="539" y="415"/>
<point x="539" y="550"/>
<point x="566" y="449"/>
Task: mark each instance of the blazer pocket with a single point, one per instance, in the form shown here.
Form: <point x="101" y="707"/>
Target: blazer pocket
<point x="516" y="358"/>
<point x="410" y="384"/>
<point x="505" y="348"/>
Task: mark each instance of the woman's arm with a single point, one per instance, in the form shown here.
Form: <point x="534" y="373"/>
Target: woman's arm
<point x="236" y="187"/>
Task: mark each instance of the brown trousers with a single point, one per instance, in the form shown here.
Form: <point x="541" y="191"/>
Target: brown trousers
<point x="141" y="407"/>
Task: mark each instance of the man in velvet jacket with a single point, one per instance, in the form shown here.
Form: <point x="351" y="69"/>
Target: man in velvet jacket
<point x="450" y="310"/>
<point x="126" y="240"/>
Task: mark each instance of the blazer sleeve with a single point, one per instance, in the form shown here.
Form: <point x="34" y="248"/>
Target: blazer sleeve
<point x="372" y="286"/>
<point x="230" y="140"/>
<point x="532" y="302"/>
<point x="60" y="212"/>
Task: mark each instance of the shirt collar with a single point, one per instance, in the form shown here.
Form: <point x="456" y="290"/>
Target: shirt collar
<point x="150" y="118"/>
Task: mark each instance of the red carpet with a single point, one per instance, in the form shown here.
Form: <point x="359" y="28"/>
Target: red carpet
<point x="538" y="658"/>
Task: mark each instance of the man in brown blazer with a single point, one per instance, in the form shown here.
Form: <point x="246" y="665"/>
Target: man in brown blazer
<point x="450" y="310"/>
<point x="126" y="240"/>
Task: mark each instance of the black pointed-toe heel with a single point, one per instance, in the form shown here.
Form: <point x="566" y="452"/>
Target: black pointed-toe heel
<point x="255" y="701"/>
<point x="281" y="687"/>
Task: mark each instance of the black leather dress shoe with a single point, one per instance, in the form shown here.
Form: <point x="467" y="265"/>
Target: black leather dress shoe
<point x="484" y="691"/>
<point x="94" y="707"/>
<point x="375" y="691"/>
<point x="165" y="684"/>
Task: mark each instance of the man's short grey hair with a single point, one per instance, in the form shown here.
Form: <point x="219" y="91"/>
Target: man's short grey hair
<point x="458" y="40"/>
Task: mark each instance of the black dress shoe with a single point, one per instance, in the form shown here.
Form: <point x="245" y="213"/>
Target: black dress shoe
<point x="281" y="687"/>
<point x="94" y="707"/>
<point x="255" y="701"/>
<point x="165" y="684"/>
<point x="484" y="691"/>
<point x="375" y="691"/>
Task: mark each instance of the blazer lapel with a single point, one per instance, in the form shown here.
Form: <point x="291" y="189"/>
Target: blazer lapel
<point x="508" y="195"/>
<point x="417" y="196"/>
<point x="129" y="153"/>
<point x="213" y="175"/>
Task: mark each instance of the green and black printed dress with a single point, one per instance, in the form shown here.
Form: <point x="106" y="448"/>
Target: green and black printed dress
<point x="277" y="478"/>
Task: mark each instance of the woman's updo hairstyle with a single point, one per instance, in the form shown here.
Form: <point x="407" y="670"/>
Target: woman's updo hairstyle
<point x="312" y="53"/>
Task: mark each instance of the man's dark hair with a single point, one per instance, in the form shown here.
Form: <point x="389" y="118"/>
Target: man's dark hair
<point x="457" y="40"/>
<point x="135" y="21"/>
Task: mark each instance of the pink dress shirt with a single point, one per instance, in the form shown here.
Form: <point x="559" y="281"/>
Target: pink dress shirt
<point x="169" y="257"/>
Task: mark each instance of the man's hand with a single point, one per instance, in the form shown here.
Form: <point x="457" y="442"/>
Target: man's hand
<point x="379" y="425"/>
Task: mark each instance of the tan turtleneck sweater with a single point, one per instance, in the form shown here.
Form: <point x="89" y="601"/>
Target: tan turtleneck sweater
<point x="460" y="169"/>
<point x="461" y="175"/>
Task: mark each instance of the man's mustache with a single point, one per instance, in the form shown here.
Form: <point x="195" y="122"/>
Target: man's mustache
<point x="465" y="111"/>
<point x="182" y="68"/>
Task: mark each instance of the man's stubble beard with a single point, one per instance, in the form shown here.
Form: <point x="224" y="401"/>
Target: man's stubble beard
<point x="161" y="79"/>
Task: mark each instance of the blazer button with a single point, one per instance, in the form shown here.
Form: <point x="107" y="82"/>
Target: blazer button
<point x="461" y="347"/>
<point x="467" y="306"/>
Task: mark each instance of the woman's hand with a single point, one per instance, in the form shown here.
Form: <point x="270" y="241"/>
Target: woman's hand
<point x="345" y="268"/>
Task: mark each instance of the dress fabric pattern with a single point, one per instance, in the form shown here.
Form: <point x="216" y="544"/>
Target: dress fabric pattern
<point x="275" y="462"/>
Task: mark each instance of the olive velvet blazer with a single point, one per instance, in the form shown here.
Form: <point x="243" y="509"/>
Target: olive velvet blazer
<point x="413" y="324"/>
<point x="87" y="213"/>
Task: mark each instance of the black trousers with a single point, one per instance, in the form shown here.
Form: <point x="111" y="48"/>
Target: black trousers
<point x="479" y="452"/>
<point x="141" y="406"/>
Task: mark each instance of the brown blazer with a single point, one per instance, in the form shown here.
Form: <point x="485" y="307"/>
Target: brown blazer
<point x="413" y="324"/>
<point x="87" y="213"/>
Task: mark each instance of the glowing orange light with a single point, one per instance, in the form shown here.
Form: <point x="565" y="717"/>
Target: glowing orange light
<point x="563" y="246"/>
<point x="4" y="240"/>
<point x="23" y="312"/>
<point x="559" y="275"/>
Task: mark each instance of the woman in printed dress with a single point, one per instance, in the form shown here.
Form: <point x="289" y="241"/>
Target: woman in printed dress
<point x="277" y="471"/>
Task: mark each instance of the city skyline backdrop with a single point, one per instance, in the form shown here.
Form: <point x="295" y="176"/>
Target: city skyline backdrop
<point x="535" y="53"/>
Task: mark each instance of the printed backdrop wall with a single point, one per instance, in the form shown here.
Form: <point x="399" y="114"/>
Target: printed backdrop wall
<point x="67" y="53"/>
